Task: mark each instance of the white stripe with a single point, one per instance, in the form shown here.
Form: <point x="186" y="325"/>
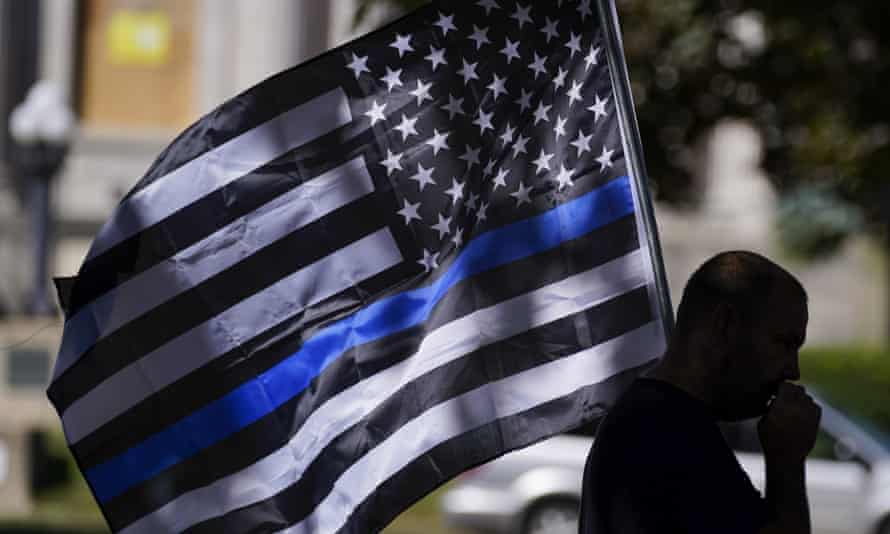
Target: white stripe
<point x="488" y="403"/>
<point x="449" y="342"/>
<point x="222" y="165"/>
<point x="201" y="345"/>
<point x="227" y="246"/>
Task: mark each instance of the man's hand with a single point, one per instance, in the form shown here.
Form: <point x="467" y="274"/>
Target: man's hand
<point x="788" y="430"/>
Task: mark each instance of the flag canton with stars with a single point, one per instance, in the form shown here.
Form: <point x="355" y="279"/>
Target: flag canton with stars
<point x="485" y="113"/>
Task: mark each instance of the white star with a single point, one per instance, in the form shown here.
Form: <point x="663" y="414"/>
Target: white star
<point x="359" y="65"/>
<point x="507" y="136"/>
<point x="471" y="156"/>
<point x="543" y="161"/>
<point x="393" y="78"/>
<point x="489" y="167"/>
<point x="605" y="159"/>
<point x="564" y="178"/>
<point x="443" y="226"/>
<point x="550" y="29"/>
<point x="591" y="58"/>
<point x="497" y="86"/>
<point x="599" y="107"/>
<point x="575" y="93"/>
<point x="468" y="71"/>
<point x="574" y="45"/>
<point x="488" y="5"/>
<point x="524" y="101"/>
<point x="458" y="238"/>
<point x="436" y="57"/>
<point x="522" y="194"/>
<point x="584" y="9"/>
<point x="483" y="121"/>
<point x="456" y="192"/>
<point x="454" y="107"/>
<point x="500" y="179"/>
<point x="422" y="92"/>
<point x="407" y="127"/>
<point x="560" y="127"/>
<point x="538" y="66"/>
<point x="560" y="79"/>
<point x="519" y="146"/>
<point x="471" y="202"/>
<point x="446" y="23"/>
<point x="402" y="44"/>
<point x="541" y="114"/>
<point x="522" y="15"/>
<point x="409" y="212"/>
<point x="392" y="162"/>
<point x="511" y="50"/>
<point x="438" y="141"/>
<point x="429" y="261"/>
<point x="480" y="36"/>
<point x="376" y="112"/>
<point x="582" y="143"/>
<point x="480" y="215"/>
<point x="424" y="177"/>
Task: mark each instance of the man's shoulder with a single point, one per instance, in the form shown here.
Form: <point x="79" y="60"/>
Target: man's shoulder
<point x="650" y="417"/>
<point x="652" y="405"/>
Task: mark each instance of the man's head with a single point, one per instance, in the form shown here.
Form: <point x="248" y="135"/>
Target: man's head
<point x="741" y="323"/>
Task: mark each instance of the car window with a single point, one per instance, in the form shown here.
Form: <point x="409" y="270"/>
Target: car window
<point x="742" y="437"/>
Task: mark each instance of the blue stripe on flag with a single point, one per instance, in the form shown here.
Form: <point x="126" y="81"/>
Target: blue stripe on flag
<point x="263" y="394"/>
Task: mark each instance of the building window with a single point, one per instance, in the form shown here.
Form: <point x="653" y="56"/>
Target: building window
<point x="138" y="66"/>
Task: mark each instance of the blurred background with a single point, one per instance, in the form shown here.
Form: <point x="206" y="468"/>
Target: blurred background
<point x="764" y="125"/>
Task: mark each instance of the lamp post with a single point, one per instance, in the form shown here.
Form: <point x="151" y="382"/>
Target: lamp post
<point x="41" y="127"/>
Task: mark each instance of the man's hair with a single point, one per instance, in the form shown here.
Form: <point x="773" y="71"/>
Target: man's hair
<point x="742" y="279"/>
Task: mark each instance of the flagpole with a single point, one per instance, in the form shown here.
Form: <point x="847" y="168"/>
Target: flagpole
<point x="634" y="153"/>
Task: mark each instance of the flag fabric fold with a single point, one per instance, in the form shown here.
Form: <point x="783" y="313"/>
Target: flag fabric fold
<point x="361" y="277"/>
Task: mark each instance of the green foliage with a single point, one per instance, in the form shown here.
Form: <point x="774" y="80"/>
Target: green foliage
<point x="808" y="75"/>
<point x="856" y="379"/>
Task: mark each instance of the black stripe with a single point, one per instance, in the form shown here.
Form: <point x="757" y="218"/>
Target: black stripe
<point x="494" y="362"/>
<point x="216" y="294"/>
<point x="265" y="436"/>
<point x="466" y="451"/>
<point x="222" y="375"/>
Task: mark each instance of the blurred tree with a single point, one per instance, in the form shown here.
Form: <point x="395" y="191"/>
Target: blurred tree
<point x="808" y="75"/>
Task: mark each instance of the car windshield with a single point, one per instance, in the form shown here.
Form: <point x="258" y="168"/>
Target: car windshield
<point x="872" y="430"/>
<point x="866" y="425"/>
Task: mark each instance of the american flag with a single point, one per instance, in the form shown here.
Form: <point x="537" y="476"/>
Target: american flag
<point x="363" y="276"/>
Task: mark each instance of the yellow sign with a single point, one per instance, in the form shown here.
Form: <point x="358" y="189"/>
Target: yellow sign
<point x="139" y="37"/>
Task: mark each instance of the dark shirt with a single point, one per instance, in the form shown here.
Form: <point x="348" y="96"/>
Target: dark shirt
<point x="659" y="464"/>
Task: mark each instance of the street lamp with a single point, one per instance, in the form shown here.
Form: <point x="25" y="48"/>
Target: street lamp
<point x="41" y="127"/>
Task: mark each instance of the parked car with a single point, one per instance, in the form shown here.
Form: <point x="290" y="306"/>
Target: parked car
<point x="537" y="490"/>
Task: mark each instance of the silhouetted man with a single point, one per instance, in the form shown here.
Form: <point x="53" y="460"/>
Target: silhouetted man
<point x="659" y="463"/>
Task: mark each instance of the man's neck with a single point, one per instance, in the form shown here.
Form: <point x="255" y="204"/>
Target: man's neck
<point x="683" y="378"/>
